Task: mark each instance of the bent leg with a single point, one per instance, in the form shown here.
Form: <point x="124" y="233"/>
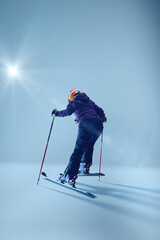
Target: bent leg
<point x="95" y="130"/>
<point x="81" y="144"/>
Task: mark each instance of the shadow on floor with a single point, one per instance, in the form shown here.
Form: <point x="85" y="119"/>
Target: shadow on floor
<point x="151" y="190"/>
<point x="120" y="206"/>
<point x="130" y="194"/>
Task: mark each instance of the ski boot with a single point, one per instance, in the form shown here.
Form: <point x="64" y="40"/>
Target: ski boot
<point x="72" y="181"/>
<point x="61" y="178"/>
<point x="84" y="167"/>
<point x="67" y="179"/>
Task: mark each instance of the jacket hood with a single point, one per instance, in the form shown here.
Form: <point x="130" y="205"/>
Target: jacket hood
<point x="81" y="98"/>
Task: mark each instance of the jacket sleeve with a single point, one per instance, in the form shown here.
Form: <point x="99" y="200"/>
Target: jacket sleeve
<point x="68" y="111"/>
<point x="99" y="111"/>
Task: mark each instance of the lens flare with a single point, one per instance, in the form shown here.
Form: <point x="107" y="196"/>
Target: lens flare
<point x="13" y="71"/>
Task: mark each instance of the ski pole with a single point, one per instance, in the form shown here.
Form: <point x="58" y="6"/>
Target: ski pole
<point x="45" y="149"/>
<point x="100" y="160"/>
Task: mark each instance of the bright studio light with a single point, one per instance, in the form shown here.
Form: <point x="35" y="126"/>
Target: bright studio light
<point x="13" y="71"/>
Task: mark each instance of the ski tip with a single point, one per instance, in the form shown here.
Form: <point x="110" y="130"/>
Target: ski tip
<point x="38" y="181"/>
<point x="44" y="174"/>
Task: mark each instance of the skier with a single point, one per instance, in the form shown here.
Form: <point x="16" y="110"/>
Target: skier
<point x="90" y="119"/>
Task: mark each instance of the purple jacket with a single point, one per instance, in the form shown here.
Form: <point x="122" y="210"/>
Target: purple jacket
<point x="83" y="108"/>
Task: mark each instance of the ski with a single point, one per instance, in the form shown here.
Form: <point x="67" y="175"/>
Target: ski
<point x="91" y="174"/>
<point x="88" y="194"/>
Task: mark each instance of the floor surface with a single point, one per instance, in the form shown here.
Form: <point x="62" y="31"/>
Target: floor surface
<point x="126" y="207"/>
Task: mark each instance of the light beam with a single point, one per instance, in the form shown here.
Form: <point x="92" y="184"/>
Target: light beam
<point x="13" y="71"/>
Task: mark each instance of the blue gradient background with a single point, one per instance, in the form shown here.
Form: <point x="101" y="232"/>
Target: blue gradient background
<point x="108" y="49"/>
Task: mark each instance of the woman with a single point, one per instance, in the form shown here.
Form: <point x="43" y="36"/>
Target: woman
<point x="90" y="119"/>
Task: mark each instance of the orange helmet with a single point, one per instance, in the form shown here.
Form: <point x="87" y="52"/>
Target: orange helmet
<point x="72" y="94"/>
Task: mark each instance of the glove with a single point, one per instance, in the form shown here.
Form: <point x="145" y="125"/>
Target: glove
<point x="54" y="112"/>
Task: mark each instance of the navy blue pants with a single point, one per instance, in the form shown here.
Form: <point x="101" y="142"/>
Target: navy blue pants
<point x="88" y="133"/>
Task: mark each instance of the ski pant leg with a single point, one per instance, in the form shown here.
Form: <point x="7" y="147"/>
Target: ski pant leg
<point x="94" y="135"/>
<point x="87" y="155"/>
<point x="81" y="144"/>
